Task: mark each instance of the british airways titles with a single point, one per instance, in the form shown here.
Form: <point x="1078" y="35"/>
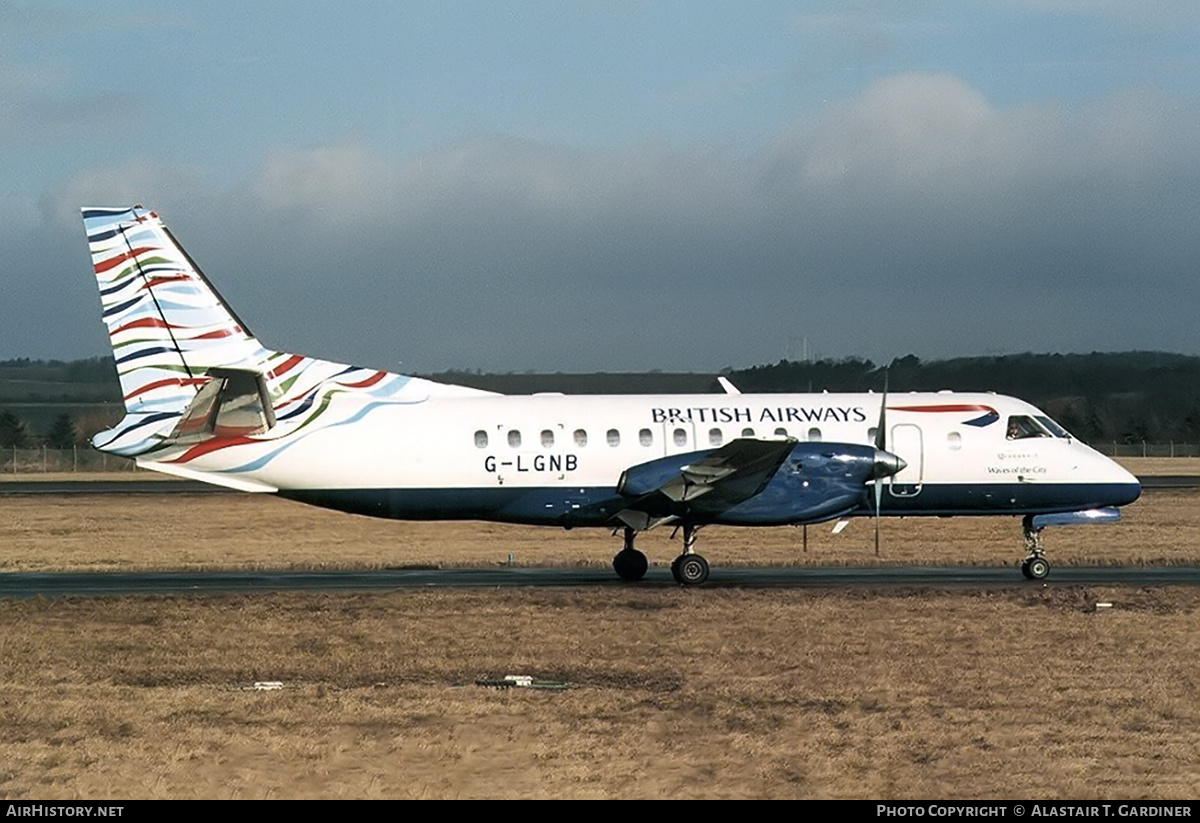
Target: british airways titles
<point x="746" y="414"/>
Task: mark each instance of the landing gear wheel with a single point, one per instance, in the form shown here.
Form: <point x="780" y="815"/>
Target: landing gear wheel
<point x="1035" y="568"/>
<point x="630" y="564"/>
<point x="689" y="569"/>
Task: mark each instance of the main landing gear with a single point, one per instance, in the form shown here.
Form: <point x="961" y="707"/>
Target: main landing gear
<point x="1034" y="567"/>
<point x="688" y="569"/>
<point x="629" y="563"/>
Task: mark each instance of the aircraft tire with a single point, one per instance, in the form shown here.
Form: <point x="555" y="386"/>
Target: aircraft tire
<point x="630" y="564"/>
<point x="1035" y="568"/>
<point x="690" y="569"/>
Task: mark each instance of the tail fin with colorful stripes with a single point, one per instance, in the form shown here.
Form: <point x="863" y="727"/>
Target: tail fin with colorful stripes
<point x="189" y="368"/>
<point x="167" y="324"/>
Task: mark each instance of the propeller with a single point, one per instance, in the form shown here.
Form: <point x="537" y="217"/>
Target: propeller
<point x="881" y="446"/>
<point x="886" y="463"/>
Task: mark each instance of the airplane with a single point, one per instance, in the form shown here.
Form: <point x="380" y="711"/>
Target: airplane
<point x="205" y="400"/>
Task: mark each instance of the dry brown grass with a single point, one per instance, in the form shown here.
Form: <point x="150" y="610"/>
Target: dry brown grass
<point x="675" y="693"/>
<point x="105" y="532"/>
<point x="1156" y="466"/>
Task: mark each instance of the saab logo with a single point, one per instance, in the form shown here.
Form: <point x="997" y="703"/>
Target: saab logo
<point x="988" y="417"/>
<point x="533" y="463"/>
<point x="745" y="414"/>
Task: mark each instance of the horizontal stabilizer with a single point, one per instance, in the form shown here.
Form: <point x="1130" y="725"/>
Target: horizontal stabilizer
<point x="240" y="483"/>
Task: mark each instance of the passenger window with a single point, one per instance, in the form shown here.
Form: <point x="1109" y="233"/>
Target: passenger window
<point x="747" y="432"/>
<point x="614" y="437"/>
<point x="645" y="437"/>
<point x="514" y="438"/>
<point x="814" y="434"/>
<point x="580" y="437"/>
<point x="781" y="432"/>
<point x="955" y="440"/>
<point x="481" y="439"/>
<point x="714" y="437"/>
<point x="547" y="438"/>
<point x="680" y="437"/>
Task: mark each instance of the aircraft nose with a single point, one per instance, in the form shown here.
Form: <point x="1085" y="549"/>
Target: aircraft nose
<point x="1130" y="488"/>
<point x="887" y="464"/>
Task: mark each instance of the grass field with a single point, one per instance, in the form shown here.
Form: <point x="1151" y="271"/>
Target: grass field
<point x="180" y="531"/>
<point x="697" y="693"/>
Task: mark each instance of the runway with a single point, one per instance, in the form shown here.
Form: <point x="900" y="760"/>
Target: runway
<point x="23" y="585"/>
<point x="146" y="485"/>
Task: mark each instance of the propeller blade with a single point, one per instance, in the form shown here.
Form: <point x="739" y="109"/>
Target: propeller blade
<point x="881" y="446"/>
<point x="881" y="427"/>
<point x="878" y="495"/>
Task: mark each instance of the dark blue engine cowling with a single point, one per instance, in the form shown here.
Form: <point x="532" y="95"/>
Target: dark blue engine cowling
<point x="817" y="482"/>
<point x="645" y="478"/>
<point x="813" y="482"/>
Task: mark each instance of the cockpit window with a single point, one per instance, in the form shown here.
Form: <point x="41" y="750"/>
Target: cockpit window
<point x="1021" y="426"/>
<point x="1055" y="429"/>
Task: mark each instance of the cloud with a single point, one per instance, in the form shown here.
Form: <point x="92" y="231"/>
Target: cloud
<point x="156" y="185"/>
<point x="918" y="216"/>
<point x="911" y="128"/>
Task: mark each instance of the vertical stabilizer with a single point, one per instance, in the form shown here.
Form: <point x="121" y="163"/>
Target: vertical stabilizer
<point x="189" y="368"/>
<point x="167" y="324"/>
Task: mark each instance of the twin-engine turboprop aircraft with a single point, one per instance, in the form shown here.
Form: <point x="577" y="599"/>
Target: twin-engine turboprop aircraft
<point x="204" y="400"/>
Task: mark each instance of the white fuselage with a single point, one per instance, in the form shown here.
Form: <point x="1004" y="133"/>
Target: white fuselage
<point x="959" y="457"/>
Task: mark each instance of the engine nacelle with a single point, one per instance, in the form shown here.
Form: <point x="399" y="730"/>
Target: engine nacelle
<point x="813" y="482"/>
<point x="817" y="482"/>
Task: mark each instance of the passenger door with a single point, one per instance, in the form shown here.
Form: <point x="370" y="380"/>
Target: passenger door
<point x="906" y="442"/>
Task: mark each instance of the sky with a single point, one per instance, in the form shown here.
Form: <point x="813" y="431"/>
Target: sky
<point x="617" y="186"/>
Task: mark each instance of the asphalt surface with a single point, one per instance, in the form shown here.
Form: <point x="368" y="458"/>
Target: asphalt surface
<point x="22" y="585"/>
<point x="147" y="485"/>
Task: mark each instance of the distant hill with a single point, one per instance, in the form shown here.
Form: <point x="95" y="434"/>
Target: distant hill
<point x="1122" y="396"/>
<point x="594" y="383"/>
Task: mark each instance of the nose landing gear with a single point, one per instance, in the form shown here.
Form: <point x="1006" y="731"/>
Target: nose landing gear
<point x="1035" y="566"/>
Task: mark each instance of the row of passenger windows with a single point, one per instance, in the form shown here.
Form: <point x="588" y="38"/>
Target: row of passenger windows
<point x="645" y="437"/>
<point x="1019" y="427"/>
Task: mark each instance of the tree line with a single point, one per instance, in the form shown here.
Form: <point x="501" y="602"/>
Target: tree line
<point x="15" y="432"/>
<point x="1122" y="397"/>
